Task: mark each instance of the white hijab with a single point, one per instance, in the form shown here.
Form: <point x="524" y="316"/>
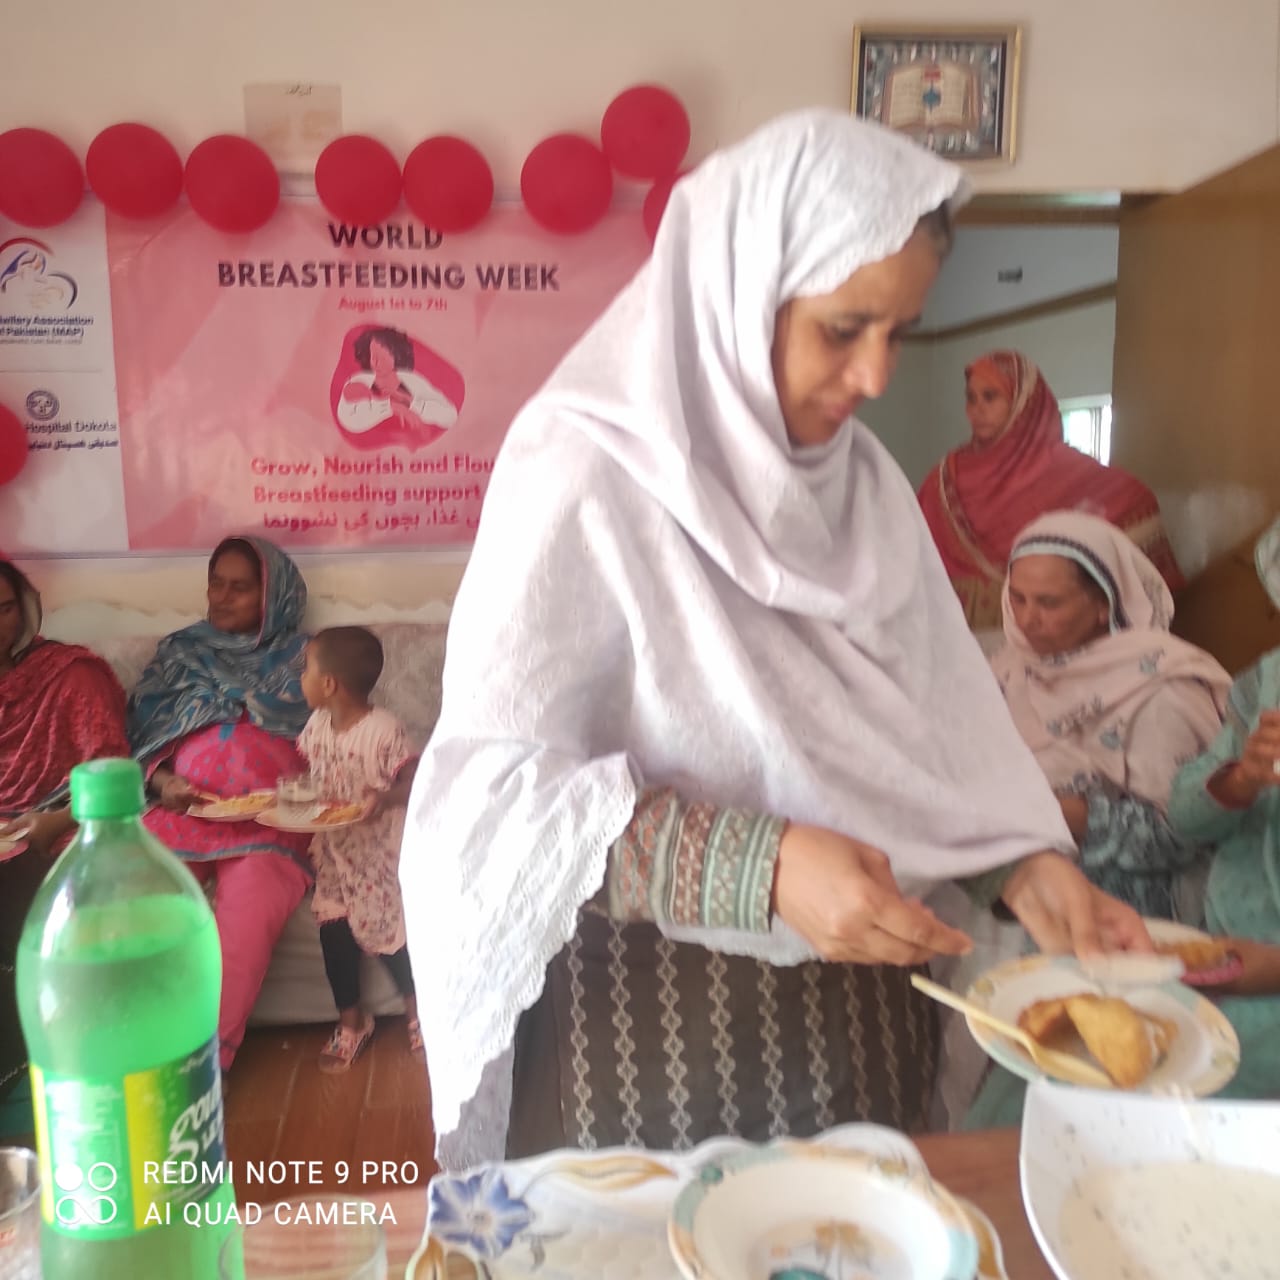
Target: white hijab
<point x="664" y="592"/>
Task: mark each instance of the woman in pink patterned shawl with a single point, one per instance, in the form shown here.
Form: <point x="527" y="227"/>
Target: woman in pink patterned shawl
<point x="1110" y="703"/>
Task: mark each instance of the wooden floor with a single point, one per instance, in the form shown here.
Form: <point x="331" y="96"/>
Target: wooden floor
<point x="375" y="1119"/>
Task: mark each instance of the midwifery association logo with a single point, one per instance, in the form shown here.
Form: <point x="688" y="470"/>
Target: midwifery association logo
<point x="28" y="281"/>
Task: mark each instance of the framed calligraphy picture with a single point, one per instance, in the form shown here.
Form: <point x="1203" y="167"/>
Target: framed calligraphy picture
<point x="952" y="89"/>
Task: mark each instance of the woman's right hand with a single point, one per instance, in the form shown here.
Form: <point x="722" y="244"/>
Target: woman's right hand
<point x="177" y="794"/>
<point x="1240" y="783"/>
<point x="40" y="831"/>
<point x="840" y="896"/>
<point x="1261" y="753"/>
<point x="19" y="826"/>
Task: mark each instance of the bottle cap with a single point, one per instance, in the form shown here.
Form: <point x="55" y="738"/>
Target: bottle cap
<point x="106" y="789"/>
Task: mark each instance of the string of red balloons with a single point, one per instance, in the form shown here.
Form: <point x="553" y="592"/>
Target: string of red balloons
<point x="566" y="182"/>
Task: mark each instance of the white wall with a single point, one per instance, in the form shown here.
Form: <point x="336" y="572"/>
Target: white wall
<point x="1137" y="95"/>
<point x="1054" y="261"/>
<point x="1140" y="95"/>
<point x="922" y="416"/>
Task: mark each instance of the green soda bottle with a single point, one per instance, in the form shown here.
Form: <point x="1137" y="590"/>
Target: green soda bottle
<point x="119" y="974"/>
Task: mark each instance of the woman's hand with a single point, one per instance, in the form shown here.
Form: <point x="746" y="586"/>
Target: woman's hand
<point x="840" y="896"/>
<point x="1240" y="783"/>
<point x="10" y="827"/>
<point x="1063" y="912"/>
<point x="177" y="794"/>
<point x="41" y="831"/>
<point x="1261" y="975"/>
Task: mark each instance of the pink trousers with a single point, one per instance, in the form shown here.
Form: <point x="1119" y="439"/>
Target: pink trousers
<point x="253" y="897"/>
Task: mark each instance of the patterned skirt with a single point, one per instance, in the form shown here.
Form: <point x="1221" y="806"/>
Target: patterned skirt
<point x="641" y="1041"/>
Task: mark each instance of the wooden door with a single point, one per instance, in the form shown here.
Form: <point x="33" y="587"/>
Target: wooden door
<point x="1196" y="388"/>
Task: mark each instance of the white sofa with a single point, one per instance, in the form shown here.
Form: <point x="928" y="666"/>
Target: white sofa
<point x="295" y="989"/>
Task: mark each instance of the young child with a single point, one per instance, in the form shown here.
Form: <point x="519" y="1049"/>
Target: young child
<point x="357" y="752"/>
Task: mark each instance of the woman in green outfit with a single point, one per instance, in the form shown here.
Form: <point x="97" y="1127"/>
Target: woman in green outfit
<point x="1230" y="797"/>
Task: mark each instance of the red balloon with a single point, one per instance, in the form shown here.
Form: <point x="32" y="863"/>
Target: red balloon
<point x="41" y="182"/>
<point x="655" y="203"/>
<point x="358" y="180"/>
<point x="232" y="183"/>
<point x="448" y="183"/>
<point x="135" y="171"/>
<point x="566" y="183"/>
<point x="13" y="445"/>
<point x="645" y="132"/>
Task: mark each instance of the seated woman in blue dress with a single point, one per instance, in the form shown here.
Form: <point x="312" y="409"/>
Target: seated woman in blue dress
<point x="217" y="712"/>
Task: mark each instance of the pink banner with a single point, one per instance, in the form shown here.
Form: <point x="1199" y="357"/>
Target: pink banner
<point x="330" y="386"/>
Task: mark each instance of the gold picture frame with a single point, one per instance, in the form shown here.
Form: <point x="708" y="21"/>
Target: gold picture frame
<point x="952" y="89"/>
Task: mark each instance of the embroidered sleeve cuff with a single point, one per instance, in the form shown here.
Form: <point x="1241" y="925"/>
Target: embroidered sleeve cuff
<point x="738" y="863"/>
<point x="694" y="864"/>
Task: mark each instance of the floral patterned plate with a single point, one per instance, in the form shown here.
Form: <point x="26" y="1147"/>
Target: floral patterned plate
<point x="1203" y="1057"/>
<point x="812" y="1212"/>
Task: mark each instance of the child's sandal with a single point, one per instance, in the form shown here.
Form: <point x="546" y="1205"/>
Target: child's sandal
<point x="345" y="1046"/>
<point x="414" y="1028"/>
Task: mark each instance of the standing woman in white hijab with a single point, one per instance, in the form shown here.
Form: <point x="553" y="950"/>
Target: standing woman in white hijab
<point x="713" y="721"/>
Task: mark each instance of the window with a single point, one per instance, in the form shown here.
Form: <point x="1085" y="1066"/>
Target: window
<point x="1086" y="425"/>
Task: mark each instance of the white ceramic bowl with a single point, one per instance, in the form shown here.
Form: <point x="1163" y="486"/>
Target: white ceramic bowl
<point x="1068" y="1134"/>
<point x="808" y="1210"/>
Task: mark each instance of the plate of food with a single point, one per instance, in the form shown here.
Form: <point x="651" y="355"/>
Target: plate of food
<point x="1206" y="961"/>
<point x="793" y="1211"/>
<point x="1123" y="1187"/>
<point x="233" y="808"/>
<point x="1166" y="1037"/>
<point x="322" y="817"/>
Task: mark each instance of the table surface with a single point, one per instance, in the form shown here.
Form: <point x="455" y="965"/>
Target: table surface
<point x="983" y="1167"/>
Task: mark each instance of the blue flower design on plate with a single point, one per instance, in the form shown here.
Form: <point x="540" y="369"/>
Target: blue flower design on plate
<point x="479" y="1213"/>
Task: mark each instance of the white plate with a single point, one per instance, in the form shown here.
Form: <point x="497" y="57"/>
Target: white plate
<point x="1068" y="1134"/>
<point x="221" y="810"/>
<point x="800" y="1210"/>
<point x="272" y="818"/>
<point x="10" y="847"/>
<point x="1205" y="1053"/>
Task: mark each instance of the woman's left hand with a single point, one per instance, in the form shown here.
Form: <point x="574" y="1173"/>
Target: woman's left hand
<point x="1064" y="913"/>
<point x="41" y="831"/>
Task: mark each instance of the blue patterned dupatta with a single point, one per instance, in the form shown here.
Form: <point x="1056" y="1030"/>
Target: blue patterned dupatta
<point x="202" y="676"/>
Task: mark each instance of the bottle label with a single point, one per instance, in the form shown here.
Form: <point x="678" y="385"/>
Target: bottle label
<point x="117" y="1157"/>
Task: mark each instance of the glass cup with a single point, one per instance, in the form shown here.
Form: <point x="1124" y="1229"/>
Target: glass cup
<point x="296" y="798"/>
<point x="19" y="1214"/>
<point x="313" y="1238"/>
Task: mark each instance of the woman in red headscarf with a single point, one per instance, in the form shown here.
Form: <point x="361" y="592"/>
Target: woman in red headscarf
<point x="1015" y="467"/>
